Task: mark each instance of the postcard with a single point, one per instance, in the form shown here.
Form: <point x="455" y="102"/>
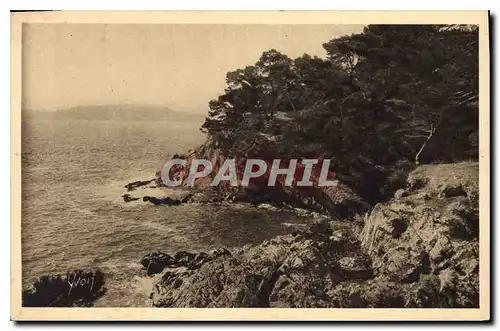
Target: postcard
<point x="308" y="165"/>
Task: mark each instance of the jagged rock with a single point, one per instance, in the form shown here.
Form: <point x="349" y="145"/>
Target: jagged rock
<point x="221" y="251"/>
<point x="402" y="264"/>
<point x="215" y="284"/>
<point x="204" y="196"/>
<point x="452" y="191"/>
<point x="400" y="194"/>
<point x="128" y="198"/>
<point x="410" y="241"/>
<point x="418" y="252"/>
<point x="250" y="274"/>
<point x="187" y="198"/>
<point x="79" y="288"/>
<point x="369" y="294"/>
<point x="155" y="262"/>
<point x="462" y="219"/>
<point x="441" y="250"/>
<point x="183" y="258"/>
<point x="337" y="200"/>
<point x="162" y="201"/>
<point x="437" y="179"/>
<point x="198" y="260"/>
<point x="443" y="290"/>
<point x="132" y="186"/>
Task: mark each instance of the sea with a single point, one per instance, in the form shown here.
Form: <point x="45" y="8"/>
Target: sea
<point x="73" y="215"/>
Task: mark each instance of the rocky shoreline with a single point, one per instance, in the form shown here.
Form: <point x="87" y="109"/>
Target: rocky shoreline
<point x="418" y="250"/>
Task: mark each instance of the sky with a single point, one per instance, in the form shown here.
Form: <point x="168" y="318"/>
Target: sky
<point x="178" y="66"/>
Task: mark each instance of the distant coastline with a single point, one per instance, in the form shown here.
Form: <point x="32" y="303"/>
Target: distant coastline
<point x="116" y="112"/>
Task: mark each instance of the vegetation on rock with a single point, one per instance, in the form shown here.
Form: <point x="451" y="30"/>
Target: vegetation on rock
<point x="383" y="101"/>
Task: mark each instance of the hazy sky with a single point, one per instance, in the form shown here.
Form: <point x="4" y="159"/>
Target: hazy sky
<point x="178" y="66"/>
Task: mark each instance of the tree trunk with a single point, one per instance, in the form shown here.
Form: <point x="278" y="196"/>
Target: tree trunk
<point x="431" y="133"/>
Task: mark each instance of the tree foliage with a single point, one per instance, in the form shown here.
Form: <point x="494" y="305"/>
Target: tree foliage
<point x="392" y="94"/>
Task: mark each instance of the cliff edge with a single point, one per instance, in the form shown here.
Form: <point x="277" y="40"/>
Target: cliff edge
<point x="419" y="250"/>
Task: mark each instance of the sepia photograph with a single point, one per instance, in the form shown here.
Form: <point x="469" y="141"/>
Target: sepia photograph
<point x="250" y="160"/>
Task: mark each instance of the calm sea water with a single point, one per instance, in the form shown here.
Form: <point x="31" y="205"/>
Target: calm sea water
<point x="73" y="173"/>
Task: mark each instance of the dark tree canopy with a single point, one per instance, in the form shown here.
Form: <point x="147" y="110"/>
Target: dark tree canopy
<point x="391" y="95"/>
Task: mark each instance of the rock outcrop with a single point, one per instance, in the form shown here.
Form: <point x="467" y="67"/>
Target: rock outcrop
<point x="338" y="201"/>
<point x="129" y="198"/>
<point x="430" y="234"/>
<point x="79" y="288"/>
<point x="419" y="250"/>
<point x="132" y="186"/>
<point x="162" y="201"/>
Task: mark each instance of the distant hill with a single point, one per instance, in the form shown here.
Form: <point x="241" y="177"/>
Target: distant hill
<point x="116" y="113"/>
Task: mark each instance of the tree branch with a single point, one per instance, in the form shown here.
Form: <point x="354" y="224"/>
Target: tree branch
<point x="431" y="133"/>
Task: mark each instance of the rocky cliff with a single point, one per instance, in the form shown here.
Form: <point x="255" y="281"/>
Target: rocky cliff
<point x="339" y="201"/>
<point x="418" y="250"/>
